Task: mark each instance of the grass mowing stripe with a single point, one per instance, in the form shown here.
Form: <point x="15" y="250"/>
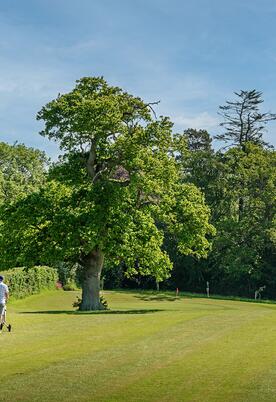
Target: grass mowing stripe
<point x="228" y="369"/>
<point x="123" y="356"/>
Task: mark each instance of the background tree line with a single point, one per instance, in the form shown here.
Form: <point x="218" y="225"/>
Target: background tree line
<point x="239" y="184"/>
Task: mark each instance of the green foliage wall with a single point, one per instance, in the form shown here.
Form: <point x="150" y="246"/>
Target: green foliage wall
<point x="24" y="282"/>
<point x="22" y="171"/>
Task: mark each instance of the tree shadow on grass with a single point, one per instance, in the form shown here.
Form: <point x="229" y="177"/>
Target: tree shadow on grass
<point x="160" y="297"/>
<point x="75" y="312"/>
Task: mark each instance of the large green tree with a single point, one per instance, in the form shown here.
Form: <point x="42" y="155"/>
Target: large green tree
<point x="245" y="241"/>
<point x="240" y="189"/>
<point x="117" y="178"/>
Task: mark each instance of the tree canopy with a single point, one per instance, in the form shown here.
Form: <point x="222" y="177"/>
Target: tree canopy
<point x="113" y="191"/>
<point x="22" y="170"/>
<point x="240" y="188"/>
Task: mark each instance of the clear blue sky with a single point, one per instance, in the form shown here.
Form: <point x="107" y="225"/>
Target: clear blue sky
<point x="190" y="55"/>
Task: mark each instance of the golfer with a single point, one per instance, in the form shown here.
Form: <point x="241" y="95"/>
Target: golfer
<point x="4" y="295"/>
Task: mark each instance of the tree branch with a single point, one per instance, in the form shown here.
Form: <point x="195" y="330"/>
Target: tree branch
<point x="90" y="164"/>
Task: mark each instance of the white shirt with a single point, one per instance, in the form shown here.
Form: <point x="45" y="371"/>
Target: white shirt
<point x="3" y="291"/>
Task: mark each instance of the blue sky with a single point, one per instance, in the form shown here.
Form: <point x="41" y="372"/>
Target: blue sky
<point x="190" y="55"/>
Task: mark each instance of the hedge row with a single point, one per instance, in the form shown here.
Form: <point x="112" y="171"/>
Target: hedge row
<point x="24" y="282"/>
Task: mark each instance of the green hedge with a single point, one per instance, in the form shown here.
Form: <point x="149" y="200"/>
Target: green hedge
<point x="24" y="282"/>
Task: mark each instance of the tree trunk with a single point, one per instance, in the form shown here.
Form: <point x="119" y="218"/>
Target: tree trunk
<point x="92" y="268"/>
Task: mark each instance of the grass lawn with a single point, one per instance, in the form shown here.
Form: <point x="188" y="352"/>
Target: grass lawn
<point x="147" y="348"/>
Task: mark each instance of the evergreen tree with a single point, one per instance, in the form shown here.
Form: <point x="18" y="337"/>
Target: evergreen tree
<point x="242" y="119"/>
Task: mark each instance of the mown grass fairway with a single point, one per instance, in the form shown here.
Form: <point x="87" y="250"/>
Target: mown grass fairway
<point x="147" y="348"/>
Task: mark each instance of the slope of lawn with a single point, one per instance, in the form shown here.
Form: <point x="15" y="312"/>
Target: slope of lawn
<point x="147" y="348"/>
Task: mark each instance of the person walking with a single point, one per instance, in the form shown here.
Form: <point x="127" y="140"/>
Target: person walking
<point x="4" y="296"/>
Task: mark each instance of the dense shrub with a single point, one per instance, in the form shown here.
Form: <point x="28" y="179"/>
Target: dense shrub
<point x="23" y="282"/>
<point x="66" y="273"/>
<point x="70" y="285"/>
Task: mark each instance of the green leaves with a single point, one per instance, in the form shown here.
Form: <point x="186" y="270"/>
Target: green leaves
<point x="22" y="171"/>
<point x="113" y="190"/>
<point x="91" y="112"/>
<point x="244" y="246"/>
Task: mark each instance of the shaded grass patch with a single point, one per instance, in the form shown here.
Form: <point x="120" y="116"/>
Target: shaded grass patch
<point x="98" y="312"/>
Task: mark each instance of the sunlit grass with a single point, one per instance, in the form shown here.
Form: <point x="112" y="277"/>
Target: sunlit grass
<point x="146" y="348"/>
